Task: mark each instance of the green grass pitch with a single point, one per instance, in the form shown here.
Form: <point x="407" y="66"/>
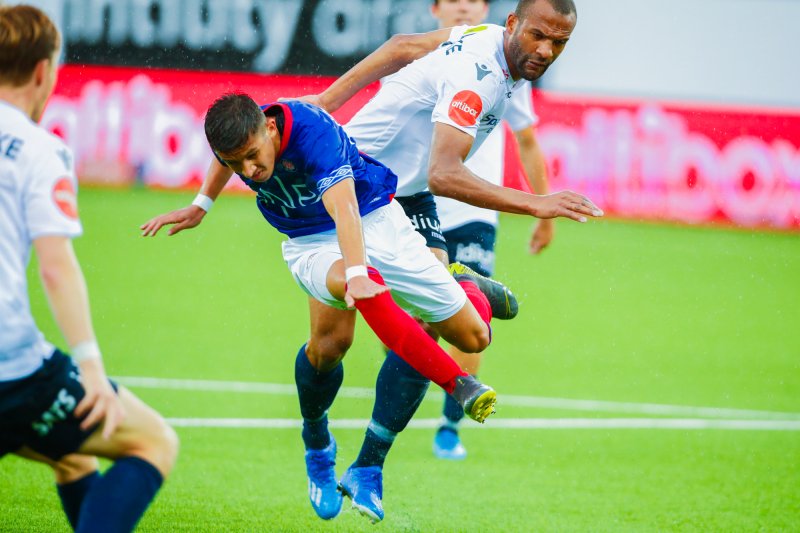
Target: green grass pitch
<point x="612" y="312"/>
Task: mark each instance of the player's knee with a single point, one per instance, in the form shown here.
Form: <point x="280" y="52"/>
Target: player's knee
<point x="327" y="351"/>
<point x="162" y="447"/>
<point x="158" y="445"/>
<point x="170" y="446"/>
<point x="478" y="341"/>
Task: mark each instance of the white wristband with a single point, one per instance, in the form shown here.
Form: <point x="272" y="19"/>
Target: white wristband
<point x="85" y="350"/>
<point x="358" y="270"/>
<point x="203" y="202"/>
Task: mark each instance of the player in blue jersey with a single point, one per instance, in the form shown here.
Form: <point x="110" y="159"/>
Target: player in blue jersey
<point x="56" y="409"/>
<point x="348" y="244"/>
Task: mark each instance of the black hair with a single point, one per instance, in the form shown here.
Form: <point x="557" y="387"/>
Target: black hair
<point x="564" y="7"/>
<point x="231" y="120"/>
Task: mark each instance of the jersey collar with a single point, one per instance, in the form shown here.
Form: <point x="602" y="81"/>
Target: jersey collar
<point x="287" y="124"/>
<point x="501" y="59"/>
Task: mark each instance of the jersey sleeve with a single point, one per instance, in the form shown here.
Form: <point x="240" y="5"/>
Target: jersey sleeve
<point x="466" y="91"/>
<point x="520" y="113"/>
<point x="51" y="194"/>
<point x="326" y="162"/>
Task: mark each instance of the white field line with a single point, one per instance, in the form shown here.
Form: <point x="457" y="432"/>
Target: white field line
<point x="509" y="423"/>
<point x="649" y="409"/>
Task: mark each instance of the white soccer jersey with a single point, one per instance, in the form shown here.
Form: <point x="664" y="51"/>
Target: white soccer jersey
<point x="487" y="162"/>
<point x="37" y="198"/>
<point x="464" y="83"/>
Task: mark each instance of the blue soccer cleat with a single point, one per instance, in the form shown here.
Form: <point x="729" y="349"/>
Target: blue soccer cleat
<point x="364" y="485"/>
<point x="322" y="487"/>
<point x="447" y="445"/>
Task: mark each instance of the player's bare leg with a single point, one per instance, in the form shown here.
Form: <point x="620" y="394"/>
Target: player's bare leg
<point x="70" y="468"/>
<point x="143" y="433"/>
<point x="467" y="330"/>
<point x="331" y="335"/>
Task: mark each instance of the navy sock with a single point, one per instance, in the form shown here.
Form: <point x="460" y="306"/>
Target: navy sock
<point x="316" y="391"/>
<point x="72" y="495"/>
<point x="399" y="390"/>
<point x="377" y="442"/>
<point x="120" y="497"/>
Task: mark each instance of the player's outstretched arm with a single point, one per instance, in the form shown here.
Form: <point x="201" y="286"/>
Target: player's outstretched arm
<point x="191" y="216"/>
<point x="66" y="292"/>
<point x="342" y="205"/>
<point x="532" y="159"/>
<point x="447" y="176"/>
<point x="394" y="54"/>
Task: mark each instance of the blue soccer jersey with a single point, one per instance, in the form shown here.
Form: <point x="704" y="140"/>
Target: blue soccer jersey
<point x="314" y="155"/>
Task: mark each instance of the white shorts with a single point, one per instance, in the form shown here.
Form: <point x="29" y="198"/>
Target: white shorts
<point x="419" y="282"/>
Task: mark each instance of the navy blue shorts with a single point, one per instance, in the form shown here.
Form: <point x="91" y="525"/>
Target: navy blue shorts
<point x="473" y="245"/>
<point x="36" y="411"/>
<point x="421" y="210"/>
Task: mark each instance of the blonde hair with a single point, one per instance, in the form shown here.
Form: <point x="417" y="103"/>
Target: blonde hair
<point x="27" y="36"/>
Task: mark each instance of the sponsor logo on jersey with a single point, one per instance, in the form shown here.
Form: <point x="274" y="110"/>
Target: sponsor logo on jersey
<point x="288" y="165"/>
<point x="490" y="120"/>
<point x="65" y="199"/>
<point x="483" y="71"/>
<point x="465" y="108"/>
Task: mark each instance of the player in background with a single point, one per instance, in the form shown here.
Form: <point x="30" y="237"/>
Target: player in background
<point x="348" y="244"/>
<point x="57" y="409"/>
<point x="470" y="231"/>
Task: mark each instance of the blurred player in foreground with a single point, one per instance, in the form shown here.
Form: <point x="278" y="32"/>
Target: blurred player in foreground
<point x="348" y="244"/>
<point x="470" y="232"/>
<point x="57" y="409"/>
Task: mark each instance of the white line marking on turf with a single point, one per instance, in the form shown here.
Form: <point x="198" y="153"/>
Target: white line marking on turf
<point x="510" y="423"/>
<point x="650" y="409"/>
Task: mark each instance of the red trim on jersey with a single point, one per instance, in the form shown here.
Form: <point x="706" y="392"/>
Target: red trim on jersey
<point x="287" y="126"/>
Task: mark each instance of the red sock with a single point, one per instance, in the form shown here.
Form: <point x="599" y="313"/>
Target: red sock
<point x="401" y="334"/>
<point x="478" y="299"/>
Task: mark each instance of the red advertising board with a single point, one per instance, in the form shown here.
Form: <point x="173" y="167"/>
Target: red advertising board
<point x="673" y="161"/>
<point x="146" y="125"/>
<point x="639" y="159"/>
